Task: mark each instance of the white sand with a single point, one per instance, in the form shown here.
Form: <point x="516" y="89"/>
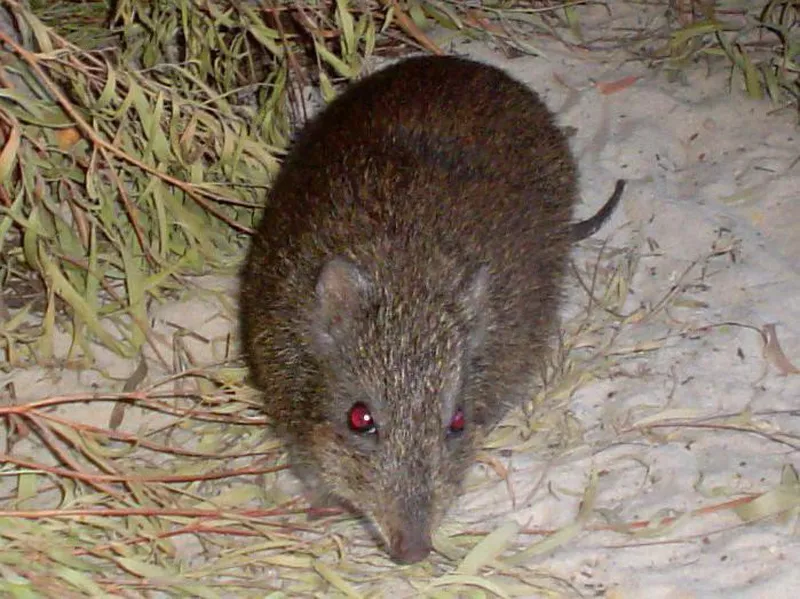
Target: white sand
<point x="706" y="169"/>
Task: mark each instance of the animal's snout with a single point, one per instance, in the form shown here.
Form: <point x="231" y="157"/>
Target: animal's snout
<point x="410" y="546"/>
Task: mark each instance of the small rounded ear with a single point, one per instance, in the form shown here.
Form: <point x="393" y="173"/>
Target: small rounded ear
<point x="474" y="301"/>
<point x="342" y="290"/>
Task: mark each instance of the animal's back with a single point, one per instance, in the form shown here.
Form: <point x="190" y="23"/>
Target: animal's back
<point x="452" y="148"/>
<point x="436" y="166"/>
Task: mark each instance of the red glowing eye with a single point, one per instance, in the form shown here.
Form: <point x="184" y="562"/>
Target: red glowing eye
<point x="457" y="421"/>
<point x="359" y="419"/>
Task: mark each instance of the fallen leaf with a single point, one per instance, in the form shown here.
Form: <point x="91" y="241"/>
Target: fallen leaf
<point x="67" y="138"/>
<point x="773" y="352"/>
<point x="611" y="87"/>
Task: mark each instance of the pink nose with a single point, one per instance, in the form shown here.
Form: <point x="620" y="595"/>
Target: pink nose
<point x="409" y="548"/>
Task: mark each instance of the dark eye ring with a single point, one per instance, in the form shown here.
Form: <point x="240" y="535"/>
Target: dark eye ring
<point x="359" y="419"/>
<point x="457" y="423"/>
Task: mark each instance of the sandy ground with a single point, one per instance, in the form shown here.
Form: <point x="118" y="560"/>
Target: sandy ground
<point x="711" y="222"/>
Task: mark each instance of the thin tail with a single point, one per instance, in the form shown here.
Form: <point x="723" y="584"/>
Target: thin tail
<point x="584" y="228"/>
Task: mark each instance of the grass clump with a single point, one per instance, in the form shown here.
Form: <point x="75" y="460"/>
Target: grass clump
<point x="758" y="41"/>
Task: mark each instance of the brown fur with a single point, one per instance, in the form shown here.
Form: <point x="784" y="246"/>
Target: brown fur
<point x="411" y="258"/>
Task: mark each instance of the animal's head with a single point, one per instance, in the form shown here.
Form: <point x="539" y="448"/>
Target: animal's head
<point x="399" y="432"/>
